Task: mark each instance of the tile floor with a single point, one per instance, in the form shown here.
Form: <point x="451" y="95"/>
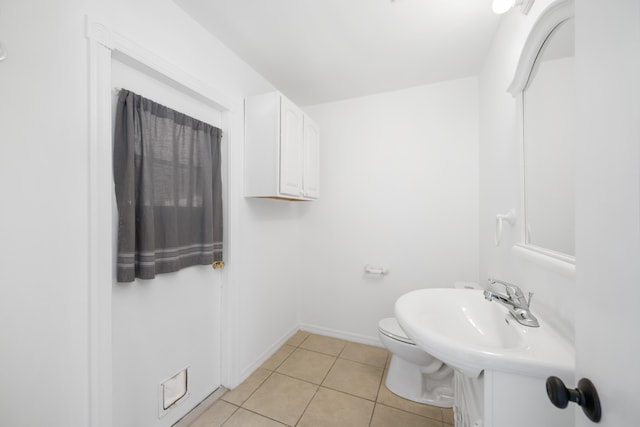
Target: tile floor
<point x="317" y="381"/>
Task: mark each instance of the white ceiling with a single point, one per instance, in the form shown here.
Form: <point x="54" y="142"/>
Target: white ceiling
<point x="317" y="51"/>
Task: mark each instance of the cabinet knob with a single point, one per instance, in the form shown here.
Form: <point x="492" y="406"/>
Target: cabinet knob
<point x="584" y="395"/>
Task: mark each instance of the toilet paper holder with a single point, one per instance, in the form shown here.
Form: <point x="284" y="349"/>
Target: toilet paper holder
<point x="370" y="269"/>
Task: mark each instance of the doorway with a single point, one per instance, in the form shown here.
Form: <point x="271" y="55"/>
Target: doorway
<point x="143" y="334"/>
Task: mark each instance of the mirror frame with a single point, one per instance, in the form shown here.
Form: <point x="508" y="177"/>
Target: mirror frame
<point x="554" y="15"/>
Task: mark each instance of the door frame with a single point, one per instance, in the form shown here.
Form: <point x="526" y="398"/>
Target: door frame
<point x="105" y="44"/>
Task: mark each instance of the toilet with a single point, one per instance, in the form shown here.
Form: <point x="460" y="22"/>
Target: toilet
<point x="413" y="373"/>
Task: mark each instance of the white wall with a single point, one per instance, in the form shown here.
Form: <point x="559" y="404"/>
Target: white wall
<point x="399" y="188"/>
<point x="44" y="227"/>
<point x="500" y="177"/>
<point x="43" y="243"/>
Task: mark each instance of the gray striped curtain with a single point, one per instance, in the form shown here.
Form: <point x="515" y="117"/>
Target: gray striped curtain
<point x="167" y="174"/>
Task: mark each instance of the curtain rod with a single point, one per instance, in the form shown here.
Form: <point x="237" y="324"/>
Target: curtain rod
<point x="116" y="91"/>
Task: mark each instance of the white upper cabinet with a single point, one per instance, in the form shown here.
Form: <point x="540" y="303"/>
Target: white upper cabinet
<point x="291" y="149"/>
<point x="282" y="150"/>
<point x="311" y="162"/>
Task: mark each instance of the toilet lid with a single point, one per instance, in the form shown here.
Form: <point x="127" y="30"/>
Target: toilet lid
<point x="391" y="328"/>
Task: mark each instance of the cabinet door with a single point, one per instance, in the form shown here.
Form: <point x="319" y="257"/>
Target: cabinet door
<point x="291" y="149"/>
<point x="311" y="151"/>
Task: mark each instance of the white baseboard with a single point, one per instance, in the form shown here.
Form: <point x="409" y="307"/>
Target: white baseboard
<point x="244" y="374"/>
<point x="348" y="336"/>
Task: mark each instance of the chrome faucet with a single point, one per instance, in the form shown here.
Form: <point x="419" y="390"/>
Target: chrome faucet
<point x="515" y="301"/>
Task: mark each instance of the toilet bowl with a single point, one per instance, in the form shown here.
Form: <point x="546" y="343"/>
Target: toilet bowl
<point x="413" y="373"/>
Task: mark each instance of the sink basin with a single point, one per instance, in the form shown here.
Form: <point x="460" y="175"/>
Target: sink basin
<point x="469" y="333"/>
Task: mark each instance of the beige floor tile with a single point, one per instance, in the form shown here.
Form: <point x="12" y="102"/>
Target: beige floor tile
<point x="322" y="344"/>
<point x="330" y="408"/>
<point x="386" y="397"/>
<point x="217" y="414"/>
<point x="278" y="357"/>
<point x="307" y="365"/>
<point x="447" y="416"/>
<point x="384" y="416"/>
<point x="354" y="378"/>
<point x="352" y="374"/>
<point x="244" y="418"/>
<point x="297" y="338"/>
<point x="238" y="395"/>
<point x="376" y="356"/>
<point x="281" y="398"/>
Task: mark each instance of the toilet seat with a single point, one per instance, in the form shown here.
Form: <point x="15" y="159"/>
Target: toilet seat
<point x="391" y="328"/>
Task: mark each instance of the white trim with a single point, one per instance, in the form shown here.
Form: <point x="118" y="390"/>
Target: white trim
<point x="103" y="46"/>
<point x="554" y="261"/>
<point x="548" y="21"/>
<point x="122" y="46"/>
<point x="347" y="336"/>
<point x="100" y="233"/>
<point x="232" y="122"/>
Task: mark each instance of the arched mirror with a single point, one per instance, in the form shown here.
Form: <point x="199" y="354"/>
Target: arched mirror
<point x="545" y="89"/>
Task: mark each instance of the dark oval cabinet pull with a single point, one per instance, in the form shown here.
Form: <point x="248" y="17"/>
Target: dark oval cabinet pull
<point x="584" y="395"/>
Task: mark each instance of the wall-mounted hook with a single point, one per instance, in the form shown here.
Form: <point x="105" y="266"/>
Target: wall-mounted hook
<point x="509" y="217"/>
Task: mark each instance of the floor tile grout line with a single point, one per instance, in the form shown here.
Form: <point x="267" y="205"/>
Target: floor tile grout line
<point x="409" y="412"/>
<point x="302" y="379"/>
<point x="342" y="350"/>
<point x="298" y="379"/>
<point x="288" y="376"/>
<point x="230" y="416"/>
<point x="253" y="392"/>
<point x="329" y="370"/>
<point x="307" y="406"/>
<point x="373" y="412"/>
<point x="374" y="400"/>
<point x="284" y="375"/>
<point x="345" y="345"/>
<point x="264" y="416"/>
<point x="384" y="373"/>
<point x="347" y="393"/>
<point x="319" y="386"/>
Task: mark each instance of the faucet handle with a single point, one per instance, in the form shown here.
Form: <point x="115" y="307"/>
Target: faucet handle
<point x="510" y="287"/>
<point x="513" y="291"/>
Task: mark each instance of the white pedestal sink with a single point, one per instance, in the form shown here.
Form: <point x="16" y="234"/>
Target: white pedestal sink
<point x="461" y="328"/>
<point x="481" y="340"/>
